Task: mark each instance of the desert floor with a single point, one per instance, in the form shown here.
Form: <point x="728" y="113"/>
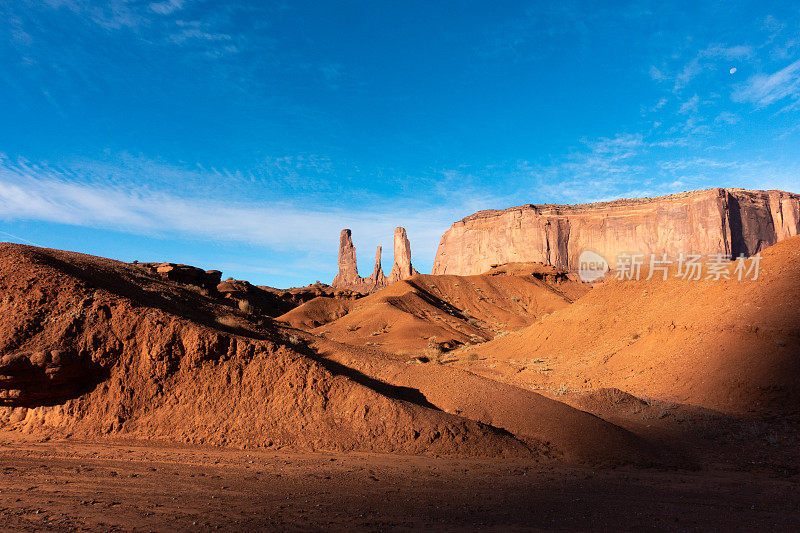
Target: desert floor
<point x="58" y="485"/>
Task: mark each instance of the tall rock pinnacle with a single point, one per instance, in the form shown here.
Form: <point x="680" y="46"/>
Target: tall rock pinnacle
<point x="348" y="267"/>
<point x="377" y="277"/>
<point x="402" y="268"/>
<point x="348" y="277"/>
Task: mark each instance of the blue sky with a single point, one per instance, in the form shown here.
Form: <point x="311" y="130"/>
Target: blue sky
<point x="244" y="135"/>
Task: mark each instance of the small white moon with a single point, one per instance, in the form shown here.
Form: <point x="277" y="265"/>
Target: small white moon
<point x="733" y="70"/>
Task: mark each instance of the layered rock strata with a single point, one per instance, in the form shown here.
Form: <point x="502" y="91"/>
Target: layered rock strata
<point x="714" y="221"/>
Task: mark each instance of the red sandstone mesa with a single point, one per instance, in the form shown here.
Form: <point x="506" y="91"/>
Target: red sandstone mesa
<point x="714" y="221"/>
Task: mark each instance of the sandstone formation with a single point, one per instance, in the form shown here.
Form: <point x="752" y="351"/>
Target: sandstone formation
<point x="348" y="277"/>
<point x="348" y="268"/>
<point x="402" y="268"/>
<point x="714" y="221"/>
<point x="185" y="274"/>
<point x="377" y="272"/>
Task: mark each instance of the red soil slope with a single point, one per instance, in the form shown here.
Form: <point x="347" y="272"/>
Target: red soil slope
<point x="732" y="346"/>
<point x="441" y="312"/>
<point x="92" y="346"/>
<point x="545" y="424"/>
<point x="320" y="310"/>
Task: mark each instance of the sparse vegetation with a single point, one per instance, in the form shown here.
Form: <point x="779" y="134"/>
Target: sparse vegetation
<point x="245" y="307"/>
<point x="292" y="340"/>
<point x="229" y="321"/>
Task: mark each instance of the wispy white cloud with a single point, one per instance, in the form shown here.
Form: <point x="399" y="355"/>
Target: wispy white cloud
<point x="167" y="7"/>
<point x="726" y="117"/>
<point x="690" y="105"/>
<point x="707" y="59"/>
<point x="766" y="89"/>
<point x="657" y="74"/>
<point x="41" y="193"/>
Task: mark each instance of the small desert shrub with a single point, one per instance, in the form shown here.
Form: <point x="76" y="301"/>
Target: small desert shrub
<point x="434" y="351"/>
<point x="245" y="307"/>
<point x="228" y="321"/>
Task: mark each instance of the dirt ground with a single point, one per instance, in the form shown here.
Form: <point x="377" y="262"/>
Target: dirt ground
<point x="144" y="486"/>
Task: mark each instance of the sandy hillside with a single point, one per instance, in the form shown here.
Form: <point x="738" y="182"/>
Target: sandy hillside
<point x="429" y="314"/>
<point x="96" y="347"/>
<point x="320" y="310"/>
<point x="732" y="345"/>
<point x="543" y="423"/>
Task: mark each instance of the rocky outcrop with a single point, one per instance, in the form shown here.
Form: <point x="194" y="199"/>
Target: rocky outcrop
<point x="714" y="221"/>
<point x="402" y="268"/>
<point x="185" y="274"/>
<point x="378" y="278"/>
<point x="348" y="268"/>
<point x="348" y="277"/>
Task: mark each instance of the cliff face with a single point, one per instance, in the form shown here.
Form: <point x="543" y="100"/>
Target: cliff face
<point x="727" y="221"/>
<point x="348" y="277"/>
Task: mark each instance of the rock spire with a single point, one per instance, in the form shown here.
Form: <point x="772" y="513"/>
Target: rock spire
<point x="348" y="277"/>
